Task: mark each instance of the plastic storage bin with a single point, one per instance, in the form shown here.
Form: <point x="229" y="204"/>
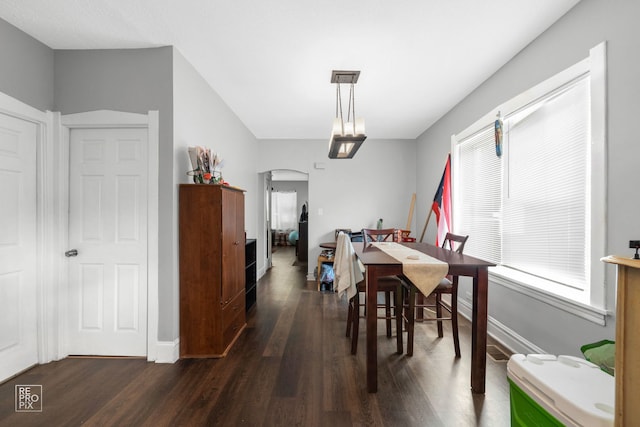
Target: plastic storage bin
<point x="546" y="390"/>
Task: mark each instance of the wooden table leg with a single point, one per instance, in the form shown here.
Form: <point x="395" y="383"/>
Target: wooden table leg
<point x="479" y="331"/>
<point x="319" y="272"/>
<point x="372" y="328"/>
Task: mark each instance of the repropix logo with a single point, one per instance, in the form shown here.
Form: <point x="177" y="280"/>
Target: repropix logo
<point x="28" y="398"/>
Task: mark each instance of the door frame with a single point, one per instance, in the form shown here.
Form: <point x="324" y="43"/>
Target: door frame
<point x="268" y="200"/>
<point x="44" y="207"/>
<point x="110" y="119"/>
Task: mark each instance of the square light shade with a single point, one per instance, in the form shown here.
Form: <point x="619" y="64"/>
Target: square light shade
<point x="345" y="145"/>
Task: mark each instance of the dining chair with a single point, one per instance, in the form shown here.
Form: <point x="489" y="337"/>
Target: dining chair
<point x="448" y="285"/>
<point x="387" y="285"/>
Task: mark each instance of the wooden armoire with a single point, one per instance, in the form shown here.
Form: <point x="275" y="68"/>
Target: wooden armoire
<point x="212" y="273"/>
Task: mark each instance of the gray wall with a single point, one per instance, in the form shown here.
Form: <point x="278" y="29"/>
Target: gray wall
<point x="136" y="81"/>
<point x="563" y="44"/>
<point x="377" y="183"/>
<point x="201" y="117"/>
<point x="26" y="72"/>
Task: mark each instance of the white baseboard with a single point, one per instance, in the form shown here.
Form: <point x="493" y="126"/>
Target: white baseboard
<point x="168" y="351"/>
<point x="498" y="331"/>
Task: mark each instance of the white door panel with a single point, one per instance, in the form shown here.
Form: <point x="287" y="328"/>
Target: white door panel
<point x="18" y="330"/>
<point x="108" y="227"/>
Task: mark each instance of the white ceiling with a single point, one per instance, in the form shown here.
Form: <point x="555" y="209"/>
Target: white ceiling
<point x="271" y="60"/>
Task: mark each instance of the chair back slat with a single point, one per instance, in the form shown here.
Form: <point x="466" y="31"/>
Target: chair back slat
<point x="381" y="235"/>
<point x="454" y="242"/>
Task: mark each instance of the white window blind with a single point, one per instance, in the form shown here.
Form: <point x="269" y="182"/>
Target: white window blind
<point x="529" y="209"/>
<point x="479" y="195"/>
<point x="546" y="200"/>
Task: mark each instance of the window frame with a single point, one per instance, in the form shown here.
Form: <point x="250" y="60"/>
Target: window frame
<point x="593" y="307"/>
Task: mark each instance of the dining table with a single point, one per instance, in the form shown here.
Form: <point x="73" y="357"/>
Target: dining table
<point x="378" y="263"/>
<point x="328" y="245"/>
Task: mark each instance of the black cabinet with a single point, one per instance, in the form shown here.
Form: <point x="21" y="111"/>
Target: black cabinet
<point x="303" y="241"/>
<point x="250" y="274"/>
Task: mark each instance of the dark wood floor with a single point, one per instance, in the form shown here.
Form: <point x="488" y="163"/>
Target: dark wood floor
<point x="291" y="367"/>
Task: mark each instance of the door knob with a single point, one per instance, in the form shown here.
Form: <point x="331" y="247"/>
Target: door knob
<point x="70" y="253"/>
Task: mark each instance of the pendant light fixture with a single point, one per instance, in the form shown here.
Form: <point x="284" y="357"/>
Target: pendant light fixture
<point x="346" y="136"/>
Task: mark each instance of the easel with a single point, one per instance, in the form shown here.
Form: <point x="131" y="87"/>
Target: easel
<point x="411" y="207"/>
<point x="424" y="229"/>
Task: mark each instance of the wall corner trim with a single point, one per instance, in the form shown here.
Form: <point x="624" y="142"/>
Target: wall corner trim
<point x="167" y="351"/>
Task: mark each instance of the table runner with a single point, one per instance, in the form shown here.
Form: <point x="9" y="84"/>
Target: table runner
<point x="424" y="271"/>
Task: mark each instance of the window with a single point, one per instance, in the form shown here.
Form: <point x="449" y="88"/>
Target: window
<point x="534" y="210"/>
<point x="284" y="210"/>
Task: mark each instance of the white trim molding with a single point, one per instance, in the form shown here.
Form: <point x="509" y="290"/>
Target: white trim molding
<point x="568" y="305"/>
<point x="105" y="118"/>
<point x="16" y="108"/>
<point x="45" y="266"/>
<point x="117" y="119"/>
<point x="167" y="351"/>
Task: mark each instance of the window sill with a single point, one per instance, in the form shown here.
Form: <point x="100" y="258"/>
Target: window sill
<point x="571" y="301"/>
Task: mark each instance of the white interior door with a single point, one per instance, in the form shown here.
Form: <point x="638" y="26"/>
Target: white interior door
<point x="18" y="330"/>
<point x="108" y="229"/>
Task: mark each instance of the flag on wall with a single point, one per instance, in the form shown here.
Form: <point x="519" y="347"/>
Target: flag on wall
<point x="442" y="204"/>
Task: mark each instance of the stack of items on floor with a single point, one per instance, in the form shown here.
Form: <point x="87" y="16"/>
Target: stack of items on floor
<point x="326" y="273"/>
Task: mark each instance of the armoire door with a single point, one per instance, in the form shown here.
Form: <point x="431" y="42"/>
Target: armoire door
<point x="232" y="244"/>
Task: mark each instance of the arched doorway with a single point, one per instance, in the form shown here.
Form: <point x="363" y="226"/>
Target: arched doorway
<point x="276" y="232"/>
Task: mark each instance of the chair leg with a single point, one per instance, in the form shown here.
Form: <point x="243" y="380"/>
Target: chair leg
<point x="439" y="313"/>
<point x="355" y="318"/>
<point x="349" y="315"/>
<point x="398" y="313"/>
<point x="420" y="311"/>
<point x="411" y="320"/>
<point x="405" y="308"/>
<point x="454" y="318"/>
<point x="387" y="311"/>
